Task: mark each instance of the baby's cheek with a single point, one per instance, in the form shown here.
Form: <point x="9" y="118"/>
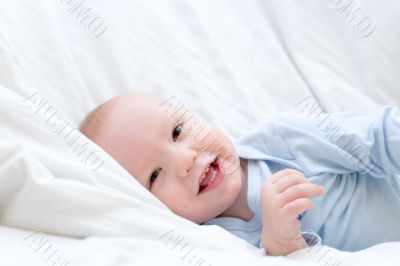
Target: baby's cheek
<point x="169" y="195"/>
<point x="205" y="138"/>
<point x="232" y="164"/>
<point x="180" y="207"/>
<point x="215" y="143"/>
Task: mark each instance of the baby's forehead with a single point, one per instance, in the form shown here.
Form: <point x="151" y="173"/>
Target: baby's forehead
<point x="136" y="102"/>
<point x="137" y="109"/>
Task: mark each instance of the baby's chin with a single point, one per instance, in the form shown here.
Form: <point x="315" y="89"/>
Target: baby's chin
<point x="233" y="183"/>
<point x="231" y="190"/>
<point x="212" y="209"/>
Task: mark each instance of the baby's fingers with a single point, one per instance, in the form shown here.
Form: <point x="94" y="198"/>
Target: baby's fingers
<point x="282" y="173"/>
<point x="294" y="208"/>
<point x="289" y="181"/>
<point x="303" y="190"/>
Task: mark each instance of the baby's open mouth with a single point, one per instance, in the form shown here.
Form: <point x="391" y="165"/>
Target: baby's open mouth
<point x="212" y="177"/>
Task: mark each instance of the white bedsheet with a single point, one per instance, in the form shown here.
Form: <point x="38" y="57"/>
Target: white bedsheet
<point x="233" y="62"/>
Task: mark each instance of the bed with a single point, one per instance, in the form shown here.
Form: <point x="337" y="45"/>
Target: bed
<point x="64" y="201"/>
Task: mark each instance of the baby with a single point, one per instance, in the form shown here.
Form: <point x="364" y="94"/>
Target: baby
<point x="261" y="188"/>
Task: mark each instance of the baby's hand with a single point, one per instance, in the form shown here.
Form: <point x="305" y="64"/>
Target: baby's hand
<point x="283" y="197"/>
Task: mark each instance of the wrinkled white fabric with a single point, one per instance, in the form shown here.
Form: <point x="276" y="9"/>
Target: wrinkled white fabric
<point x="234" y="63"/>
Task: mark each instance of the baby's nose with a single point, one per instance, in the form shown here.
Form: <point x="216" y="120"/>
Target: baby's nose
<point x="187" y="162"/>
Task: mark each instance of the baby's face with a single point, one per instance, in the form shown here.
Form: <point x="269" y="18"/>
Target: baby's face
<point x="169" y="151"/>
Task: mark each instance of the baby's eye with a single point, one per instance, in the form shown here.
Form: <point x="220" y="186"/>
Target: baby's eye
<point x="177" y="131"/>
<point x="154" y="176"/>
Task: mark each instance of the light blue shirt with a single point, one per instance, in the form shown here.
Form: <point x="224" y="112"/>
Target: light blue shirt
<point x="355" y="156"/>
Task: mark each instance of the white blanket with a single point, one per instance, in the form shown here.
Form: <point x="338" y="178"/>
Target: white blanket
<point x="232" y="62"/>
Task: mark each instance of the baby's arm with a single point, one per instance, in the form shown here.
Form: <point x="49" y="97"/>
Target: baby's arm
<point x="283" y="197"/>
<point x="344" y="142"/>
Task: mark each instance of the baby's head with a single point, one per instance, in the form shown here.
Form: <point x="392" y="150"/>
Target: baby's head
<point x="169" y="152"/>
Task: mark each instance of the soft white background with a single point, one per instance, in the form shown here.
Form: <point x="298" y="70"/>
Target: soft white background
<point x="233" y="62"/>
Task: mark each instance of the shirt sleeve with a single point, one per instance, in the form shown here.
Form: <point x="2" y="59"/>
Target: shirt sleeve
<point x="343" y="142"/>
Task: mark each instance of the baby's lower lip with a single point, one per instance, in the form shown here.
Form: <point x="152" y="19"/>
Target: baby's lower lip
<point x="218" y="179"/>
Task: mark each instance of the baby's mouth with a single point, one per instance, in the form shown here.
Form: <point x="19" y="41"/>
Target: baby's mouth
<point x="210" y="176"/>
